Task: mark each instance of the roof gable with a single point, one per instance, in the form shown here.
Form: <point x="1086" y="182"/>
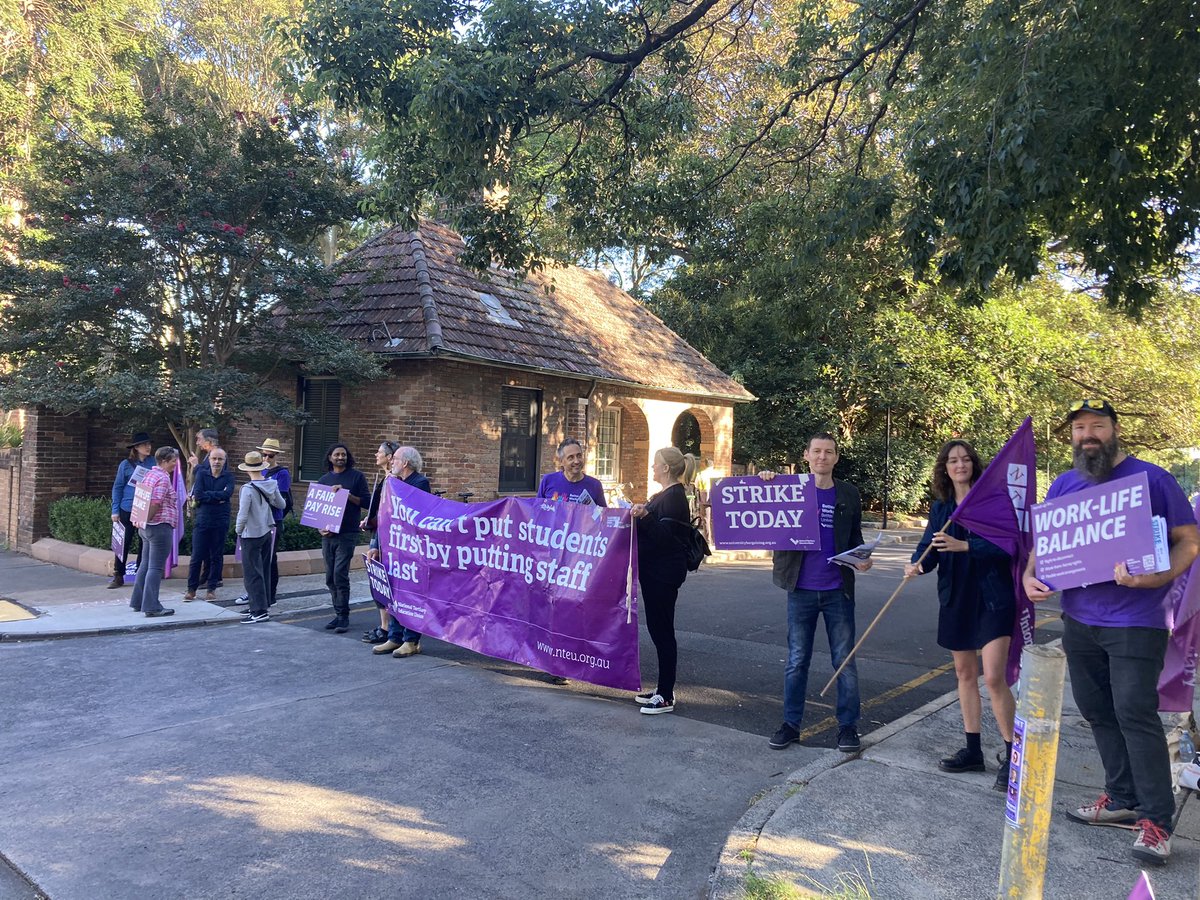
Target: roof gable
<point x="404" y="293"/>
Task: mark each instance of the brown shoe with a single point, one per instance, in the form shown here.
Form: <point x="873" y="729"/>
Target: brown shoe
<point x="211" y="596"/>
<point x="408" y="648"/>
<point x="117" y="582"/>
<point x="385" y="647"/>
<point x="189" y="596"/>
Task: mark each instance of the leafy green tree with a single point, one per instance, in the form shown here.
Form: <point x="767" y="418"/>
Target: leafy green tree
<point x="1019" y="124"/>
<point x="149" y="279"/>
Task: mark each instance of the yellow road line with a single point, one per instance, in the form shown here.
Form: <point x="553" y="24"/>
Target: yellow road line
<point x="887" y="695"/>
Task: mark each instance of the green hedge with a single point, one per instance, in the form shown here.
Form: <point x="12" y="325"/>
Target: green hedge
<point x="80" y="520"/>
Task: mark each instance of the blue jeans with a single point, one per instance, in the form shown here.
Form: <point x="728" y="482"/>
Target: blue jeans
<point x="399" y="634"/>
<point x="208" y="545"/>
<point x="803" y="609"/>
<point x="157" y="541"/>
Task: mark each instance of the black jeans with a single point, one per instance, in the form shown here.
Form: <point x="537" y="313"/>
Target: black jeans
<point x="208" y="554"/>
<point x="658" y="605"/>
<point x="1114" y="677"/>
<point x="338" y="551"/>
<point x="256" y="555"/>
<point x="131" y="533"/>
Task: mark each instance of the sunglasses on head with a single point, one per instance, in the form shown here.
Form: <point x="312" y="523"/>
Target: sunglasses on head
<point x="1088" y="404"/>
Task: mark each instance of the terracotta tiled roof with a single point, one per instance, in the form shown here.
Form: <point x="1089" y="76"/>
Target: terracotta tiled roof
<point x="404" y="293"/>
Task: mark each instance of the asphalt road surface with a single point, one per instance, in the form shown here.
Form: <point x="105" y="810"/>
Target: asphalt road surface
<point x="732" y="631"/>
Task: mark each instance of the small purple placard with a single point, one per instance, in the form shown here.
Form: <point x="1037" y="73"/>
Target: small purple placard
<point x="751" y="514"/>
<point x="377" y="580"/>
<point x="118" y="538"/>
<point x="324" y="507"/>
<point x="1079" y="537"/>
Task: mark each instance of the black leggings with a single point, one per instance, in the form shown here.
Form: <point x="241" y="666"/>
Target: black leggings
<point x="658" y="604"/>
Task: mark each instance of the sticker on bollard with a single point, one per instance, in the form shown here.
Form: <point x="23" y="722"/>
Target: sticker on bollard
<point x="1012" y="799"/>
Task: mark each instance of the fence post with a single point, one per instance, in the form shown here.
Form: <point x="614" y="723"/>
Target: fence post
<point x="1031" y="775"/>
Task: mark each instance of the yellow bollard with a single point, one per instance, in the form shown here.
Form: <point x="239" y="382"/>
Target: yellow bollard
<point x="1031" y="776"/>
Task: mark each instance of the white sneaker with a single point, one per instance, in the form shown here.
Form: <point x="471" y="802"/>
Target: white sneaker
<point x="658" y="705"/>
<point x="1153" y="844"/>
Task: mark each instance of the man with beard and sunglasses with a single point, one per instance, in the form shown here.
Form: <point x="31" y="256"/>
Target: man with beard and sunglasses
<point x="1115" y="637"/>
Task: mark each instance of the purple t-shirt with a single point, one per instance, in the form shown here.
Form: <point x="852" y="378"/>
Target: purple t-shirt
<point x="1108" y="603"/>
<point x="817" y="573"/>
<point x="587" y="490"/>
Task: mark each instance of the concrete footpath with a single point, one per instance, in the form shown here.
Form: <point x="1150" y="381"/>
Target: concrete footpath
<point x="157" y="758"/>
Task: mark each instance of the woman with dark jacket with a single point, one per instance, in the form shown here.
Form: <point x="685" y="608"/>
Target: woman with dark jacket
<point x="383" y="459"/>
<point x="662" y="525"/>
<point x="128" y="475"/>
<point x="977" y="606"/>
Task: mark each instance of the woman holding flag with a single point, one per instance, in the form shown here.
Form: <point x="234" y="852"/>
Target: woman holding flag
<point x="977" y="605"/>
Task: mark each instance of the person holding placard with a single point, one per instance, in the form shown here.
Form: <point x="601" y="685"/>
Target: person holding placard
<point x="976" y="606"/>
<point x="383" y="460"/>
<point x="819" y="588"/>
<point x="129" y="473"/>
<point x="402" y="642"/>
<point x="156" y="512"/>
<point x="662" y="567"/>
<point x="255" y="527"/>
<point x="337" y="547"/>
<point x="1115" y="636"/>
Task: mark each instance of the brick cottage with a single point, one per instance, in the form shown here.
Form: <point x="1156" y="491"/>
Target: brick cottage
<point x="485" y="375"/>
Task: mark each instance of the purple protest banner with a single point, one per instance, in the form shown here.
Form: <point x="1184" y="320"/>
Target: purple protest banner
<point x="751" y="514"/>
<point x="1177" y="683"/>
<point x="377" y="581"/>
<point x="1079" y="537"/>
<point x="324" y="507"/>
<point x="996" y="508"/>
<point x="548" y="585"/>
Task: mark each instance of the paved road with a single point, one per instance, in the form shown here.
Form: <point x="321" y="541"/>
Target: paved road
<point x="732" y="632"/>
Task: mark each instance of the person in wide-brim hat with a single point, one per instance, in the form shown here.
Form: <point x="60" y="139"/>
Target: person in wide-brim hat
<point x="138" y="439"/>
<point x="254" y="462"/>
<point x="270" y="445"/>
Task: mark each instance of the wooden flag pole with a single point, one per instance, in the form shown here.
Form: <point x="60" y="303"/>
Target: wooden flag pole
<point x="875" y="621"/>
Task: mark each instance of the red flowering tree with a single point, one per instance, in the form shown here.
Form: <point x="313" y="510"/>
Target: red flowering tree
<point x="153" y="260"/>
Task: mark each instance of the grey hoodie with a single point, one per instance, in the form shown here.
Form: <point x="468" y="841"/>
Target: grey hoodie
<point x="254" y="518"/>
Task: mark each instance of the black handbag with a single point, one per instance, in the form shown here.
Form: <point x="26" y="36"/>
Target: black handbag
<point x="690" y="538"/>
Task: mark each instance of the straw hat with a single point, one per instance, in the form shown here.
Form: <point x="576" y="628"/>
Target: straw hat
<point x="270" y="445"/>
<point x="254" y="462"/>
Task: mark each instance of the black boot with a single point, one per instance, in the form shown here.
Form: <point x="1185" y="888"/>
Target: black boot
<point x="963" y="761"/>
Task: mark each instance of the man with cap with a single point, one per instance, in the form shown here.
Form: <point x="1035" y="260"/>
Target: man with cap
<point x="1115" y="637"/>
<point x="129" y="473"/>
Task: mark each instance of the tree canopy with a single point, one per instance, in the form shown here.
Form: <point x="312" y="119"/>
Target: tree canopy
<point x="1015" y="125"/>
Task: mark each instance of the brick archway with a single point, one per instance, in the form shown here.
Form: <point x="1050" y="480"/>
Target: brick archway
<point x="707" y="433"/>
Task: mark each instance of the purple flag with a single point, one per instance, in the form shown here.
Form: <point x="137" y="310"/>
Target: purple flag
<point x="1177" y="684"/>
<point x="180" y="488"/>
<point x="540" y="583"/>
<point x="782" y="514"/>
<point x="1142" y="890"/>
<point x="997" y="509"/>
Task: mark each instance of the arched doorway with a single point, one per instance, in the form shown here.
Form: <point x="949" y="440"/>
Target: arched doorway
<point x="685" y="435"/>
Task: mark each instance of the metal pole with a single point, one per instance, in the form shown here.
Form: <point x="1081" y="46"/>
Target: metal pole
<point x="1031" y="774"/>
<point x="887" y="464"/>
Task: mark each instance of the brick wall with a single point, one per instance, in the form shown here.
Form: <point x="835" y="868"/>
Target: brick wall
<point x="10" y="493"/>
<point x="54" y="464"/>
<point x="450" y="411"/>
